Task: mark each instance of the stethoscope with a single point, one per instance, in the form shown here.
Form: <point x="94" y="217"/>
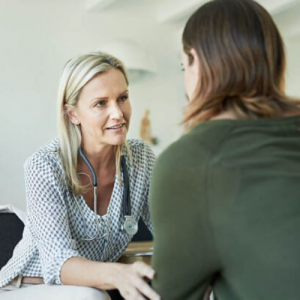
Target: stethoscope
<point x="130" y="224"/>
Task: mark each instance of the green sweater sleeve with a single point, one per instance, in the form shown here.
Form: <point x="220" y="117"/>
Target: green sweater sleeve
<point x="185" y="258"/>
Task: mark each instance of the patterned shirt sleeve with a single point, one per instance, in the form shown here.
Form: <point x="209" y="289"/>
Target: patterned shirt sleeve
<point x="48" y="217"/>
<point x="150" y="159"/>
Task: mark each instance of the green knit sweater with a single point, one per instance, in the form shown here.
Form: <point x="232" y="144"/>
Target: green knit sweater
<point x="225" y="203"/>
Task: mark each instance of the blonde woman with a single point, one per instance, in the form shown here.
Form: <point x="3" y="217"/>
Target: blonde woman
<point x="226" y="195"/>
<point x="85" y="192"/>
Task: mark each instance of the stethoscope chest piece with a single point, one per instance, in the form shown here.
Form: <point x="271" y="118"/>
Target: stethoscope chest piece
<point x="130" y="225"/>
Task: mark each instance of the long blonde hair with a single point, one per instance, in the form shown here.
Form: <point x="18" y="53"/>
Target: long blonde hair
<point x="76" y="74"/>
<point x="242" y="62"/>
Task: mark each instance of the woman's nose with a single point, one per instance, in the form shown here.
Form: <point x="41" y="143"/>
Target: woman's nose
<point x="115" y="111"/>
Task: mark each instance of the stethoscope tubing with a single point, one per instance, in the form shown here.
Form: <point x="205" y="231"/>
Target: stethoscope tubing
<point x="85" y="159"/>
<point x="126" y="192"/>
<point x="126" y="196"/>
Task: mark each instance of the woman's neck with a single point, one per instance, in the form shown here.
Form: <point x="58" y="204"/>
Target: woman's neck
<point x="230" y="115"/>
<point x="225" y="115"/>
<point x="101" y="157"/>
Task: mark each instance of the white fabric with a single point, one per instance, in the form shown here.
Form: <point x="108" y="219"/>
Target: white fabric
<point x="9" y="208"/>
<point x="54" y="292"/>
<point x="55" y="225"/>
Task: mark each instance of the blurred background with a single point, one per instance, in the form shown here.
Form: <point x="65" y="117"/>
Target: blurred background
<point x="37" y="37"/>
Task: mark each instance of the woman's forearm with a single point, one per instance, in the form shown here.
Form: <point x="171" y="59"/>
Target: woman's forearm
<point x="130" y="280"/>
<point x="84" y="272"/>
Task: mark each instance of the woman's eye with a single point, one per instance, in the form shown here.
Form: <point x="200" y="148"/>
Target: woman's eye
<point x="101" y="103"/>
<point x="123" y="98"/>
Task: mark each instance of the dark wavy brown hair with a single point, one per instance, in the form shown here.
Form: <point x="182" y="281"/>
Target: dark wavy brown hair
<point x="242" y="62"/>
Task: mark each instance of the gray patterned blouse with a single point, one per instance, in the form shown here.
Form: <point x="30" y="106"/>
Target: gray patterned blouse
<point x="55" y="224"/>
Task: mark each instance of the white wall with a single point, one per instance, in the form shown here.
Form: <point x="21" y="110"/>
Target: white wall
<point x="293" y="67"/>
<point x="289" y="24"/>
<point x="37" y="37"/>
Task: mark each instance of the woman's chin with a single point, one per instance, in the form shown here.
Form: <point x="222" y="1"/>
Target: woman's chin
<point x="118" y="140"/>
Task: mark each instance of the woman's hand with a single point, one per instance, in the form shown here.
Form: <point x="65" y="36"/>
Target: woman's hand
<point x="131" y="281"/>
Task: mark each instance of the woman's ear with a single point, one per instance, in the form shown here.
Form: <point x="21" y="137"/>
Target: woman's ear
<point x="194" y="61"/>
<point x="71" y="113"/>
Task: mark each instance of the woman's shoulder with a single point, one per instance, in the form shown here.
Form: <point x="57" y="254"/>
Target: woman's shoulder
<point x="48" y="154"/>
<point x="186" y="151"/>
<point x="139" y="152"/>
<point x="137" y="144"/>
<point x="139" y="147"/>
<point x="201" y="141"/>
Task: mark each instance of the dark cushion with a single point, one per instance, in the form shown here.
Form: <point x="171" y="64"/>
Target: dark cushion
<point x="11" y="230"/>
<point x="143" y="233"/>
